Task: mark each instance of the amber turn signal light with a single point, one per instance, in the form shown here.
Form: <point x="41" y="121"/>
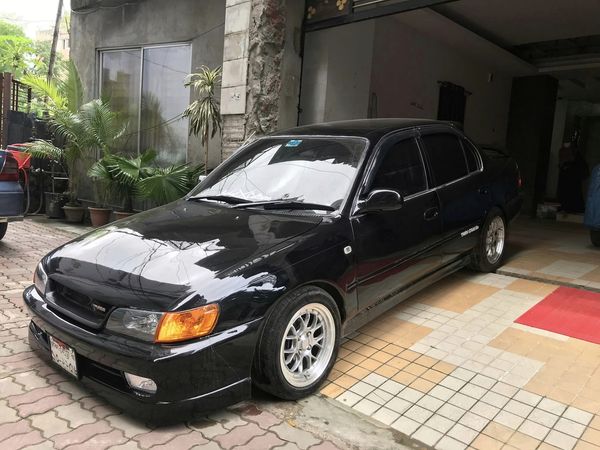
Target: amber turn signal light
<point x="185" y="325"/>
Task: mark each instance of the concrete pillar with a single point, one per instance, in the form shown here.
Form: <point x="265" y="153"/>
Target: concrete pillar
<point x="529" y="137"/>
<point x="261" y="68"/>
<point x="558" y="137"/>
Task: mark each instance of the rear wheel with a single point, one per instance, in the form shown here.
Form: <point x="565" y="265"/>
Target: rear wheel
<point x="3" y="228"/>
<point x="595" y="237"/>
<point x="488" y="254"/>
<point x="299" y="344"/>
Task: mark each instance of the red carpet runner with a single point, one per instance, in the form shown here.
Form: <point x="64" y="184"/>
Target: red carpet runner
<point x="567" y="311"/>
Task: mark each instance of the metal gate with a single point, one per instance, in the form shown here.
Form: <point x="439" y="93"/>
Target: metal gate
<point x="15" y="105"/>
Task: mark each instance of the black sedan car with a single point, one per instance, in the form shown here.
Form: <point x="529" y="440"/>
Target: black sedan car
<point x="254" y="277"/>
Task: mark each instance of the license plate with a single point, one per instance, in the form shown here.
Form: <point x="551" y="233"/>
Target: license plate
<point x="64" y="356"/>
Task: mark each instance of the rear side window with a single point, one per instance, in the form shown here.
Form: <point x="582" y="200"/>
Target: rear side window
<point x="471" y="155"/>
<point x="446" y="157"/>
<point x="401" y="168"/>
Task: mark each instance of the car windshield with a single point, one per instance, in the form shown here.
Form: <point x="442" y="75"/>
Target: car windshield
<point x="287" y="171"/>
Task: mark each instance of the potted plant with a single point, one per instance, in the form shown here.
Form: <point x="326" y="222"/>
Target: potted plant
<point x="120" y="175"/>
<point x="204" y="112"/>
<point x="94" y="127"/>
<point x="84" y="130"/>
<point x="100" y="174"/>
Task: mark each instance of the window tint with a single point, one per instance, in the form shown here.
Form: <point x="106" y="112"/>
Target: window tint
<point x="445" y="156"/>
<point x="401" y="169"/>
<point x="471" y="155"/>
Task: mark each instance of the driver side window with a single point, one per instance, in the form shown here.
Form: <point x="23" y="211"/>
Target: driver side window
<point x="400" y="168"/>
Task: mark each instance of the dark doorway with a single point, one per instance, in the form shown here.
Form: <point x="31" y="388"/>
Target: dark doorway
<point x="452" y="102"/>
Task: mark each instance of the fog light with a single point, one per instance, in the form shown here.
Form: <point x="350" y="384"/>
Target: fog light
<point x="140" y="383"/>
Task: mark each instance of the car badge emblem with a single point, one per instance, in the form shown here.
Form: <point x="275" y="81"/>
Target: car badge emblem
<point x="98" y="308"/>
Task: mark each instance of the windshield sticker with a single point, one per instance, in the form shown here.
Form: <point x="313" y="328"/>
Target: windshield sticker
<point x="294" y="143"/>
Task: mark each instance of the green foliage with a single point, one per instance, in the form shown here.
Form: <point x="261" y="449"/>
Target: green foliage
<point x="127" y="177"/>
<point x="20" y="55"/>
<point x="15" y="54"/>
<point x="204" y="114"/>
<point x="10" y="29"/>
<point x="65" y="92"/>
<point x="94" y="127"/>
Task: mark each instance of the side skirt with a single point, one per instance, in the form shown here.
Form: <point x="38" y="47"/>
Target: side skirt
<point x="377" y="309"/>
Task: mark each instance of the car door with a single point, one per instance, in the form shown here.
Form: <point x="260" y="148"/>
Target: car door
<point x="458" y="178"/>
<point x="396" y="248"/>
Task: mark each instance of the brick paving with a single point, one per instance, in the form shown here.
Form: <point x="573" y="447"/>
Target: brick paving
<point x="41" y="408"/>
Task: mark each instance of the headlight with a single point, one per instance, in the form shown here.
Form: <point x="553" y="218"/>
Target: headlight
<point x="164" y="327"/>
<point x="133" y="322"/>
<point x="40" y="279"/>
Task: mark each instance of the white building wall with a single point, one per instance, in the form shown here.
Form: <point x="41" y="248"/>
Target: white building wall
<point x="336" y="74"/>
<point x="390" y="67"/>
<point x="407" y="66"/>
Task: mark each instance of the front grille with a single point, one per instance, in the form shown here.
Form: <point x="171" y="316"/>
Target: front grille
<point x="76" y="305"/>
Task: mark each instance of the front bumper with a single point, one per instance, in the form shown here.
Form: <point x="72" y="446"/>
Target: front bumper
<point x="193" y="377"/>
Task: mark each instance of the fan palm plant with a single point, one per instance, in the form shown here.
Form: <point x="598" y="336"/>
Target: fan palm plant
<point x="167" y="184"/>
<point x="127" y="178"/>
<point x="120" y="175"/>
<point x="204" y="112"/>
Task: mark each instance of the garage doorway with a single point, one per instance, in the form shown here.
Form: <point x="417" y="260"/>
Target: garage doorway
<point x="530" y="72"/>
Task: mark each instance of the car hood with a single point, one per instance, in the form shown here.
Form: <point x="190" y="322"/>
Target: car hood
<point x="159" y="258"/>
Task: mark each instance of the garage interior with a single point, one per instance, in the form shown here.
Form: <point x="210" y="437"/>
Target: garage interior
<point x="521" y="76"/>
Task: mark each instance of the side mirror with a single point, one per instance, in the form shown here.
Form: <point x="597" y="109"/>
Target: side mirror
<point x="381" y="200"/>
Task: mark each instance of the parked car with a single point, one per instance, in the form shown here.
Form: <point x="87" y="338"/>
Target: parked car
<point x="253" y="278"/>
<point x="592" y="207"/>
<point x="11" y="193"/>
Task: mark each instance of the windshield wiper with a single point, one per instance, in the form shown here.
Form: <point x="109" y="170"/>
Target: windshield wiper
<point x="286" y="204"/>
<point x="221" y="198"/>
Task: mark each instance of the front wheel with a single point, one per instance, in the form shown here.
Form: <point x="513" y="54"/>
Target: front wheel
<point x="299" y="344"/>
<point x="595" y="237"/>
<point x="487" y="255"/>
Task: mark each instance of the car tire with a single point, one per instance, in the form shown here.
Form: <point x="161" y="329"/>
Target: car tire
<point x="3" y="228"/>
<point x="595" y="237"/>
<point x="488" y="254"/>
<point x="302" y="330"/>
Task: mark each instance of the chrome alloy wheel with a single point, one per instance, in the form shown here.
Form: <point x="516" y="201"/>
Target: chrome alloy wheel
<point x="307" y="345"/>
<point x="494" y="240"/>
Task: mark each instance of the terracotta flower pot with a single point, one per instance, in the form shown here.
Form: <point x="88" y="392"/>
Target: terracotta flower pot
<point x="74" y="214"/>
<point x="99" y="216"/>
<point x="122" y="214"/>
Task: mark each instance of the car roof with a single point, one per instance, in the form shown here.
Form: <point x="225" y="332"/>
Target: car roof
<point x="372" y="129"/>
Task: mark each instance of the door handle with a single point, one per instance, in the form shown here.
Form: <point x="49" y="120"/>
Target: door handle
<point x="431" y="213"/>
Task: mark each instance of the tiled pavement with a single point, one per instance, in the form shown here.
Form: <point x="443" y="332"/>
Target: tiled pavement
<point x="40" y="408"/>
<point x="449" y="368"/>
<point x="560" y="252"/>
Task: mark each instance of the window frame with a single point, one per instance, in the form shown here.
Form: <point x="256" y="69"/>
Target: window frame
<point x="381" y="155"/>
<point x="371" y="166"/>
<point x="437" y="129"/>
<point x="478" y="157"/>
<point x="141" y="48"/>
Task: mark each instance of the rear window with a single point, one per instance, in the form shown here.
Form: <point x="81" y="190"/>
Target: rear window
<point x="446" y="157"/>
